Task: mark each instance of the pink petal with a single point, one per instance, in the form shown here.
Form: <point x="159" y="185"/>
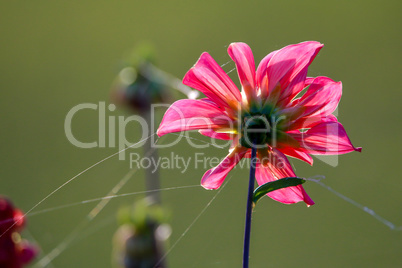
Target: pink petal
<point x="208" y="77"/>
<point x="213" y="134"/>
<point x="297" y="153"/>
<point x="193" y="114"/>
<point x="242" y="55"/>
<point x="310" y="121"/>
<point x="214" y="177"/>
<point x="288" y="67"/>
<point x="279" y="167"/>
<point x="286" y="103"/>
<point x="261" y="75"/>
<point x="321" y="98"/>
<point x="212" y="103"/>
<point x="295" y="86"/>
<point x="328" y="138"/>
<point x="308" y="81"/>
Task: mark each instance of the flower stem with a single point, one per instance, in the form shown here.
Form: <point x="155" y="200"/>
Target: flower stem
<point x="249" y="209"/>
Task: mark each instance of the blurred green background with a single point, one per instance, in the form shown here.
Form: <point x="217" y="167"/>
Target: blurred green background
<point x="57" y="54"/>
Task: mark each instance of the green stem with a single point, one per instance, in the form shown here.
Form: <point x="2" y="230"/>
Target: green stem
<point x="249" y="209"/>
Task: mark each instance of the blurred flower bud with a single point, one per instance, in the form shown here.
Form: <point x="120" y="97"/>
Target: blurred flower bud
<point x="138" y="243"/>
<point x="15" y="252"/>
<point x="138" y="85"/>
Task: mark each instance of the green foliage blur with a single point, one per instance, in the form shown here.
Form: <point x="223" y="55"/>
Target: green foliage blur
<point x="55" y="55"/>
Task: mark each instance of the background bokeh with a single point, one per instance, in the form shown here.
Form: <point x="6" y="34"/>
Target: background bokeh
<point x="57" y="54"/>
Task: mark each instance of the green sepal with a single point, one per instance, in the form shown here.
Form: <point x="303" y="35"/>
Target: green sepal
<point x="262" y="190"/>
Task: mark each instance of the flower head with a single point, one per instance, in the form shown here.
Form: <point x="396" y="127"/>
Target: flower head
<point x="14" y="251"/>
<point x="270" y="112"/>
<point x="139" y="84"/>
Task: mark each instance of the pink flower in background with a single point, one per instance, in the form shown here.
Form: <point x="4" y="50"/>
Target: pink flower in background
<point x="271" y="111"/>
<point x="14" y="251"/>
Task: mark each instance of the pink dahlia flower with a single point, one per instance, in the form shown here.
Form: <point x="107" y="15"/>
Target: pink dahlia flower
<point x="270" y="112"/>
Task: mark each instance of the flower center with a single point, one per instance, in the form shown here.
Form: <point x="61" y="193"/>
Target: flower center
<point x="261" y="127"/>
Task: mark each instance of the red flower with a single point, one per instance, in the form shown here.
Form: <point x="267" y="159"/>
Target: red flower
<point x="14" y="252"/>
<point x="267" y="113"/>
